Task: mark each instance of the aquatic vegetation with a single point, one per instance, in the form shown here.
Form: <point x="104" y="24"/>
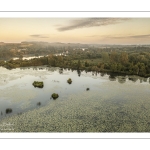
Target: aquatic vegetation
<point x="69" y="81"/>
<point x="87" y="89"/>
<point x="89" y="112"/>
<point x="39" y="103"/>
<point x="108" y="107"/>
<point x="38" y="84"/>
<point x="55" y="96"/>
<point x="8" y="110"/>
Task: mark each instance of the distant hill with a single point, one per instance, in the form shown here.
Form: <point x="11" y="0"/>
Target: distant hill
<point x="72" y="45"/>
<point x="57" y="44"/>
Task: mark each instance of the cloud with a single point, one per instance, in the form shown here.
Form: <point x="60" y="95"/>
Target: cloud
<point x="141" y="36"/>
<point x="90" y="22"/>
<point x="131" y="36"/>
<point x="44" y="37"/>
<point x="35" y="35"/>
<point x="92" y="36"/>
<point x="39" y="36"/>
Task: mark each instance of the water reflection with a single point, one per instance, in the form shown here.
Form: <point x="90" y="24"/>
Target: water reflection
<point x="145" y="79"/>
<point x="133" y="79"/>
<point x="102" y="74"/>
<point x="52" y="80"/>
<point x="121" y="79"/>
<point x="79" y="72"/>
<point x="136" y="78"/>
<point x="61" y="71"/>
<point x="112" y="77"/>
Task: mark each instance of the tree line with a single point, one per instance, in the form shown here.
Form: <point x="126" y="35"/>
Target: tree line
<point x="124" y="60"/>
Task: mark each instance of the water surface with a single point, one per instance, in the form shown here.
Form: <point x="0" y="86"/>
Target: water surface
<point x="113" y="103"/>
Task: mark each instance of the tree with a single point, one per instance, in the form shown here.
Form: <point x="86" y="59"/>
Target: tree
<point x="135" y="69"/>
<point x="114" y="57"/>
<point x="105" y="56"/>
<point x="124" y="58"/>
<point x="86" y="64"/>
<point x="78" y="64"/>
<point x="20" y="56"/>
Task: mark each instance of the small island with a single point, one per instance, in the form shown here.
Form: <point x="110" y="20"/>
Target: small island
<point x="39" y="103"/>
<point x="69" y="81"/>
<point x="38" y="84"/>
<point x="55" y="96"/>
<point x="8" y="110"/>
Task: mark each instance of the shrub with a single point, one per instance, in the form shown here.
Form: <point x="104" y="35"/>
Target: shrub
<point x="38" y="84"/>
<point x="54" y="95"/>
<point x="87" y="89"/>
<point x="69" y="81"/>
<point x="8" y="110"/>
<point x="39" y="103"/>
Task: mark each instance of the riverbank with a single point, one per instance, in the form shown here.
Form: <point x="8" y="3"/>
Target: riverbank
<point x="44" y="61"/>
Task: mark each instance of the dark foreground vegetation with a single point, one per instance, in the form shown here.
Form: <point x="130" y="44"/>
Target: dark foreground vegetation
<point x="130" y="60"/>
<point x="8" y="110"/>
<point x="69" y="81"/>
<point x="55" y="96"/>
<point x="87" y="89"/>
<point x="38" y="84"/>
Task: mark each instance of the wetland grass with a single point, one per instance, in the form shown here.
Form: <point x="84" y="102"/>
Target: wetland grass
<point x="69" y="81"/>
<point x="54" y="96"/>
<point x="8" y="110"/>
<point x="87" y="89"/>
<point x="39" y="103"/>
<point x="38" y="84"/>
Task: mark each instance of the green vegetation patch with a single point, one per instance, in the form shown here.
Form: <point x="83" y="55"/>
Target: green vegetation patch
<point x="8" y="110"/>
<point x="38" y="84"/>
<point x="69" y="81"/>
<point x="87" y="89"/>
<point x="55" y="96"/>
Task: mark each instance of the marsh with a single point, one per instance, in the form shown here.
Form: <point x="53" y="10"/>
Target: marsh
<point x="114" y="103"/>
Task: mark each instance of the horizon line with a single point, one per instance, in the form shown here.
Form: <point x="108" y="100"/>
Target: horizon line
<point x="65" y="43"/>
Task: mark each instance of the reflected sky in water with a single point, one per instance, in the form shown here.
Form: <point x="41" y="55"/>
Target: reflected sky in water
<point x="18" y="93"/>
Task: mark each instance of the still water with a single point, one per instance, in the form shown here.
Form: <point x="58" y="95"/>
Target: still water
<point x="18" y="93"/>
<point x="113" y="103"/>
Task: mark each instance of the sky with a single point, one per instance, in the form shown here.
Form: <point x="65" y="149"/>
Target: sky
<point x="76" y="30"/>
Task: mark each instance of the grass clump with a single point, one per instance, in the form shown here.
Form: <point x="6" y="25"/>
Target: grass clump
<point x="55" y="96"/>
<point x="38" y="84"/>
<point x="87" y="89"/>
<point x="39" y="103"/>
<point x="8" y="110"/>
<point x="69" y="81"/>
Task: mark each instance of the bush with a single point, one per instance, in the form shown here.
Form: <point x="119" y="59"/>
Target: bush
<point x="39" y="103"/>
<point x="38" y="84"/>
<point x="8" y="110"/>
<point x="69" y="81"/>
<point x="54" y="95"/>
<point x="87" y="89"/>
